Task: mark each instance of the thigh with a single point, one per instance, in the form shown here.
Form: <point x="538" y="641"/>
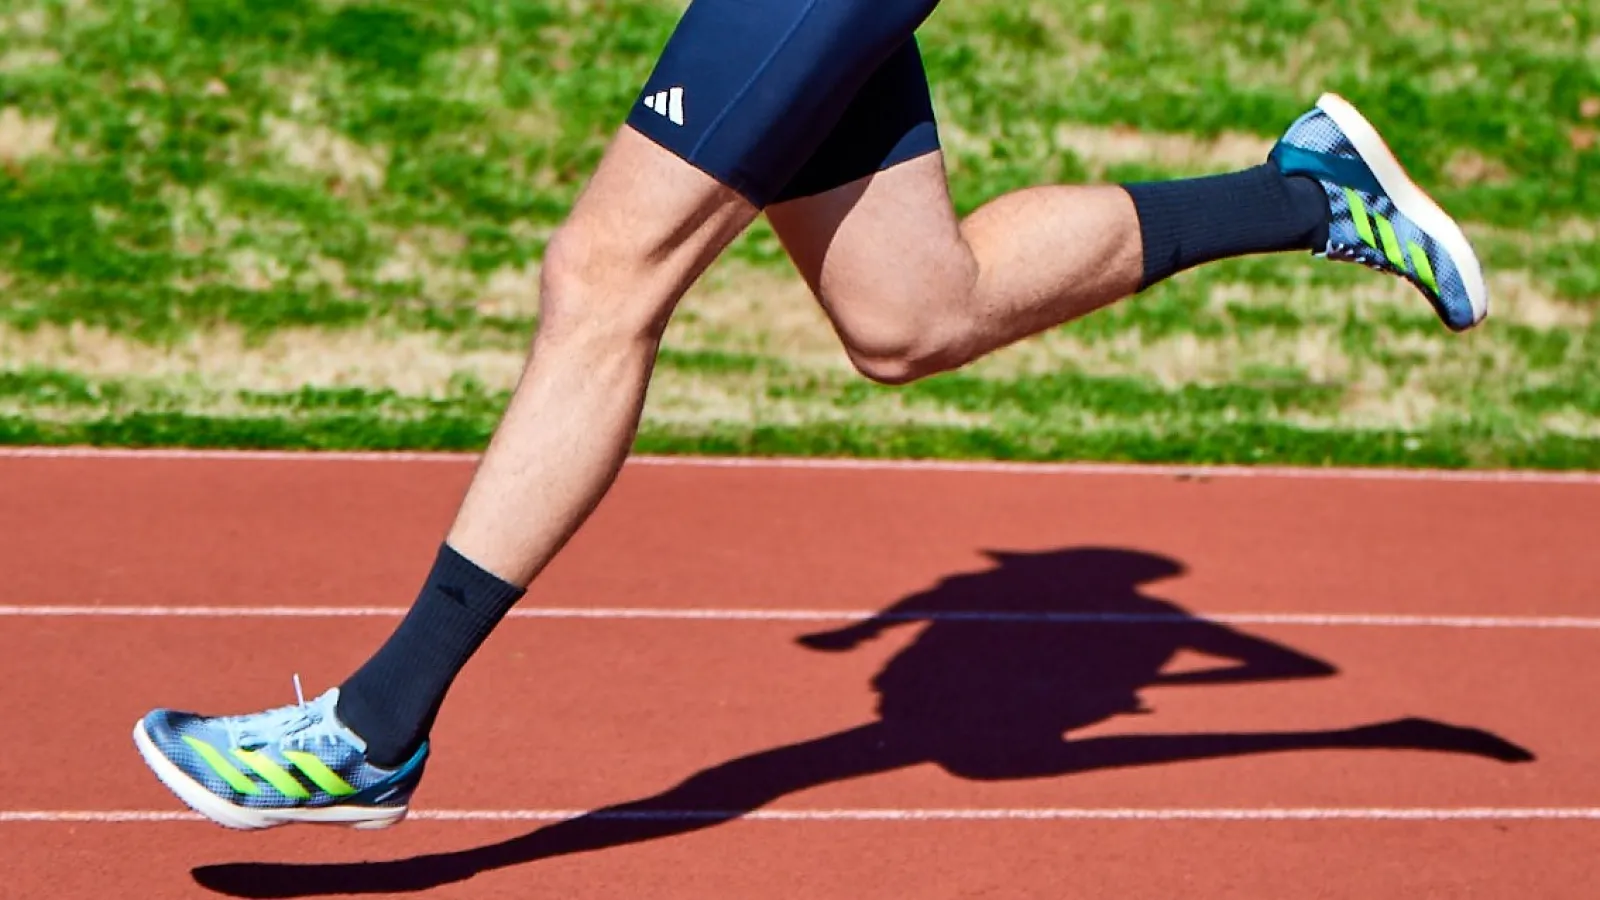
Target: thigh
<point x="749" y="90"/>
<point x="880" y="250"/>
<point x="868" y="218"/>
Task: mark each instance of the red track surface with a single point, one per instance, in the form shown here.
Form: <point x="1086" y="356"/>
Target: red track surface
<point x="579" y="714"/>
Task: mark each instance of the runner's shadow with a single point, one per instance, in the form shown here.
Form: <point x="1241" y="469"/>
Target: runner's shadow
<point x="1010" y="659"/>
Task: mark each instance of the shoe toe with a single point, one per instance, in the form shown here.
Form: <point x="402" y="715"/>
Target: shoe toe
<point x="1456" y="316"/>
<point x="164" y="726"/>
<point x="166" y="730"/>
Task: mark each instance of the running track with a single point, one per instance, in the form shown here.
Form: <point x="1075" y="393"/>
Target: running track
<point x="662" y="647"/>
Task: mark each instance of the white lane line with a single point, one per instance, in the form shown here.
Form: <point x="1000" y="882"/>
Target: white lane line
<point x="105" y="816"/>
<point x="1257" y="814"/>
<point x="866" y="465"/>
<point x="1161" y="470"/>
<point x="1324" y="620"/>
<point x="180" y="454"/>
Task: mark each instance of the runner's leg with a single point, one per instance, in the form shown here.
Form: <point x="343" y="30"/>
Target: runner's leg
<point x="743" y="96"/>
<point x="912" y="289"/>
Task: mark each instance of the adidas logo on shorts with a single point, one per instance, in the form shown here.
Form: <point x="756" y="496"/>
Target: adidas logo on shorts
<point x="668" y="103"/>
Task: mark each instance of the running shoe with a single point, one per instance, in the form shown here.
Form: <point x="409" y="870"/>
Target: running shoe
<point x="293" y="764"/>
<point x="1381" y="218"/>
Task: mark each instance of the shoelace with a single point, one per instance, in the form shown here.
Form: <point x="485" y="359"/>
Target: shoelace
<point x="259" y="729"/>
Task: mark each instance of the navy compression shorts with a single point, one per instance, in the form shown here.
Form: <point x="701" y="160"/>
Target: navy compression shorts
<point x="779" y="99"/>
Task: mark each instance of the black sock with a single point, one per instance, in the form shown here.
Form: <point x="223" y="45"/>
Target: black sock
<point x="391" y="701"/>
<point x="1198" y="220"/>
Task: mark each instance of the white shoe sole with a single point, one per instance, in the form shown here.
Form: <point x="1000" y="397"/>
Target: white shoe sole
<point x="228" y="815"/>
<point x="1410" y="199"/>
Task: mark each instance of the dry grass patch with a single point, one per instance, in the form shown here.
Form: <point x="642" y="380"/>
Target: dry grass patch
<point x="1579" y="229"/>
<point x="1375" y="400"/>
<point x="1570" y="228"/>
<point x="510" y="293"/>
<point x="198" y="219"/>
<point x="1517" y="296"/>
<point x="207" y="372"/>
<point x="24" y="137"/>
<point x="319" y="149"/>
<point x="23" y="58"/>
<point x="30" y="22"/>
<point x="1103" y="147"/>
<point x="1469" y="168"/>
<point x="1177" y="360"/>
<point x="255" y="271"/>
<point x="692" y="398"/>
<point x="414" y="363"/>
<point x="426" y="257"/>
<point x="1571" y="424"/>
<point x="741" y="308"/>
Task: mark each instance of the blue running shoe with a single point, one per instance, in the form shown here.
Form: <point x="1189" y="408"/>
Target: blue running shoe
<point x="293" y="764"/>
<point x="1381" y="218"/>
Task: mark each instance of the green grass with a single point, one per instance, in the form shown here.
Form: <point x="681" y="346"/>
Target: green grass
<point x="1258" y="443"/>
<point x="376" y="168"/>
<point x="1066" y="416"/>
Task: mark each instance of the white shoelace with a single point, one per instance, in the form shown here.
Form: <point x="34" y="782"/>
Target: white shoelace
<point x="256" y="730"/>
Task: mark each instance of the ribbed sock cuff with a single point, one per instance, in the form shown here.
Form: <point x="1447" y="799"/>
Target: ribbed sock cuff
<point x="474" y="587"/>
<point x="391" y="701"/>
<point x="1192" y="221"/>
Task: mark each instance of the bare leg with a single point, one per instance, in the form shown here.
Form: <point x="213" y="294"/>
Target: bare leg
<point x="644" y="229"/>
<point x="912" y="290"/>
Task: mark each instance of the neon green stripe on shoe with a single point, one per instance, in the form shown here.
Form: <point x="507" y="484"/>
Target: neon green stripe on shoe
<point x="1419" y="260"/>
<point x="320" y="775"/>
<point x="1391" y="245"/>
<point x="219" y="764"/>
<point x="273" y="773"/>
<point x="1358" y="212"/>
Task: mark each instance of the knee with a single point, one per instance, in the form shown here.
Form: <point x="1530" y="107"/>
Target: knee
<point x="896" y="364"/>
<point x="587" y="293"/>
<point x="897" y="343"/>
